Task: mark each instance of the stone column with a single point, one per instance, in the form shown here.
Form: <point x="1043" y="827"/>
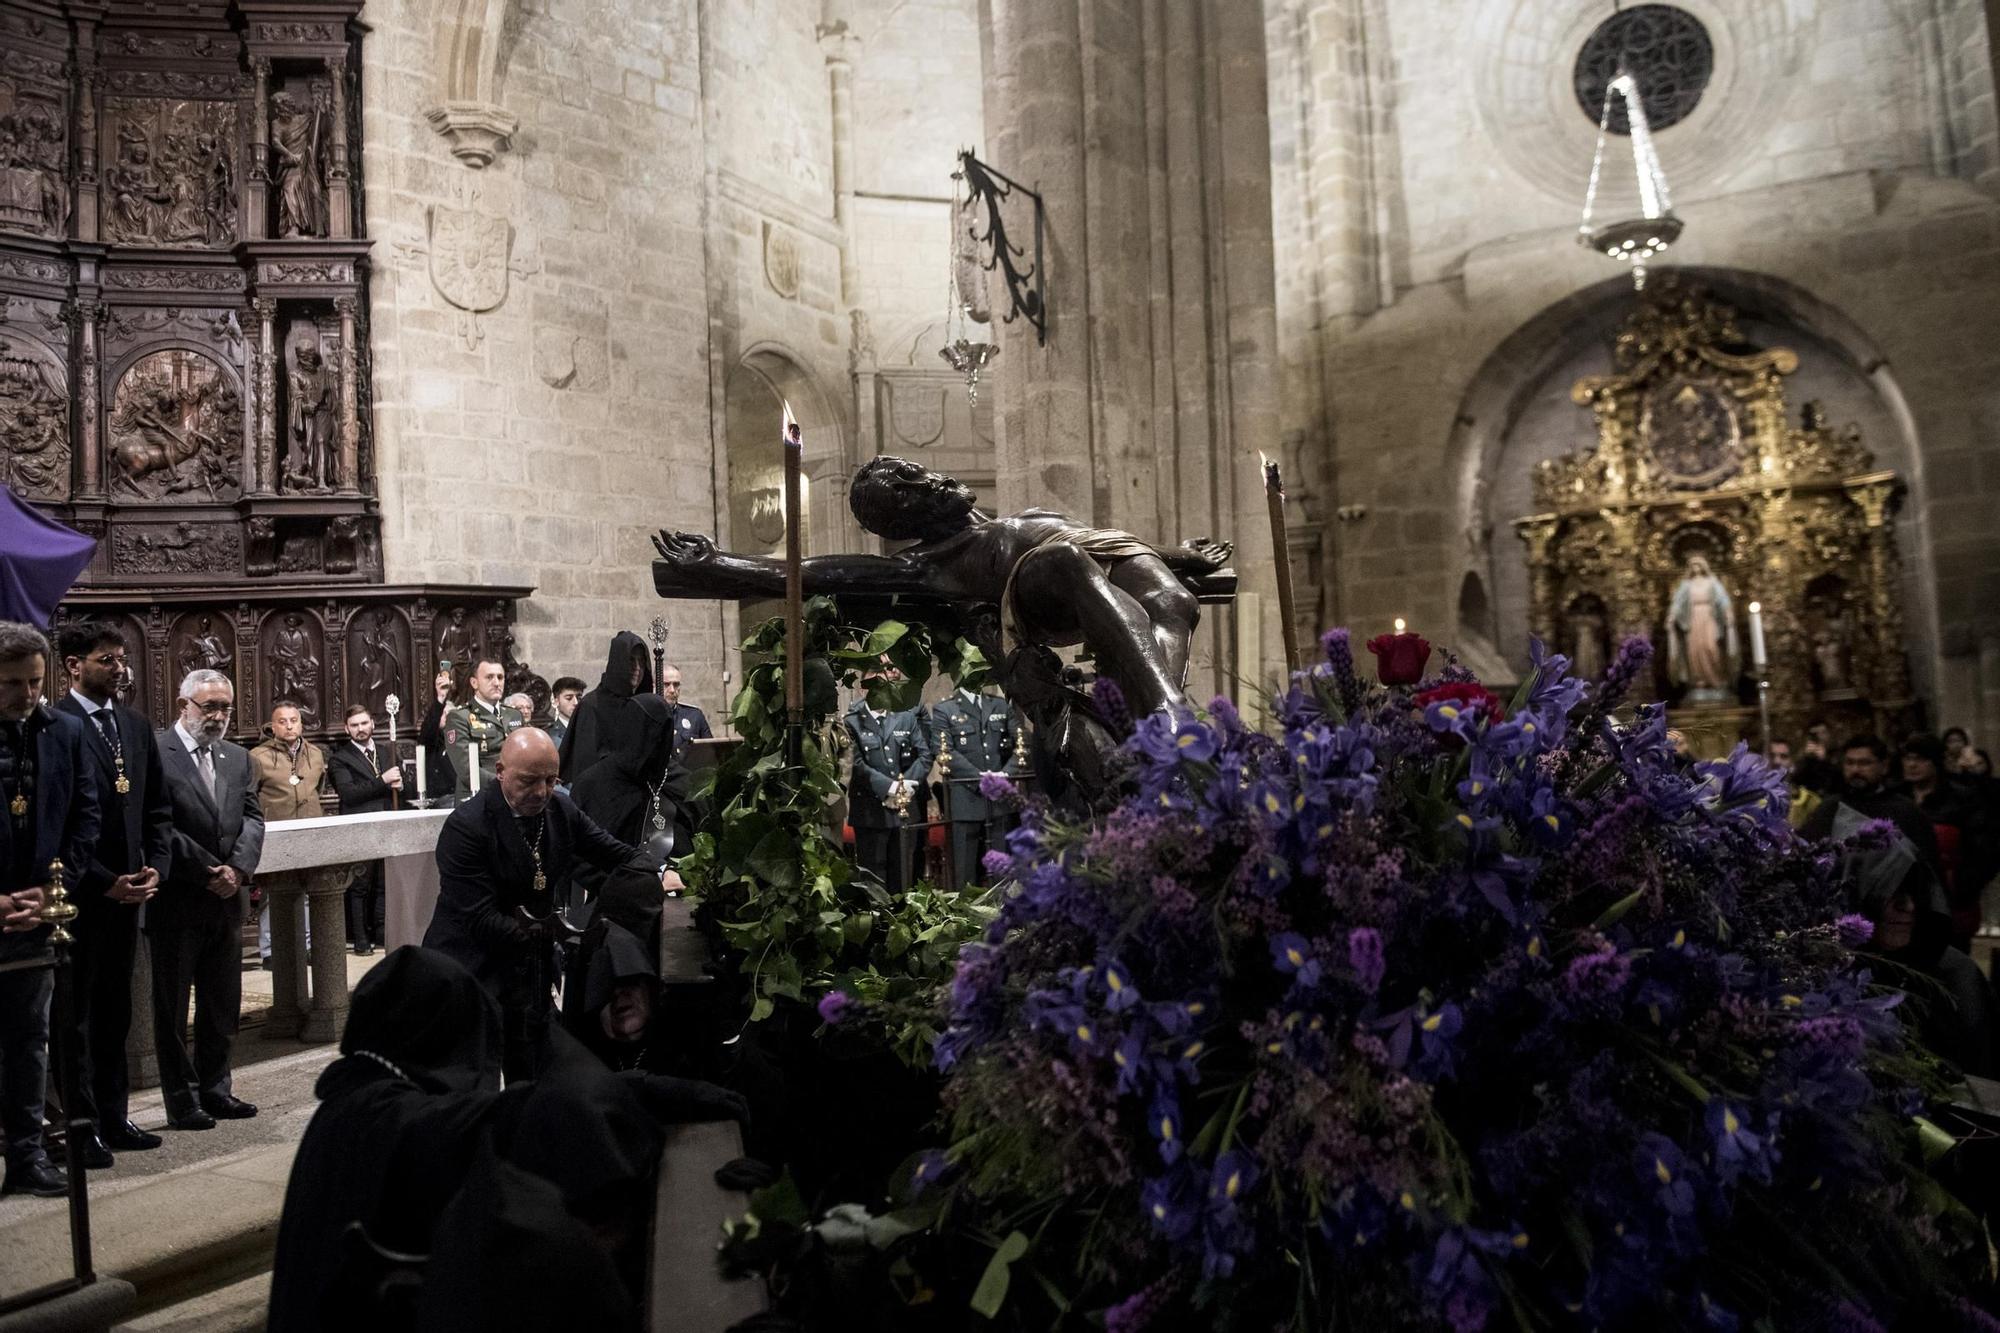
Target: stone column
<point x="264" y="457"/>
<point x="339" y="195"/>
<point x="284" y="894"/>
<point x="1144" y="127"/>
<point x="257" y="196"/>
<point x="326" y="910"/>
<point x="89" y="445"/>
<point x="837" y="42"/>
<point x="349" y="464"/>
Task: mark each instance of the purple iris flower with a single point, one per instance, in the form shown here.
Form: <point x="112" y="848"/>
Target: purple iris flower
<point x="1738" y="1151"/>
<point x="1436" y="1059"/>
<point x="1554" y="690"/>
<point x="1663" y="1169"/>
<point x="1128" y="1057"/>
<point x="1163" y="1121"/>
<point x="1292" y="954"/>
<point x="931" y="1167"/>
<point x="1454" y="717"/>
<point x="1119" y="992"/>
<point x="1169" y="1203"/>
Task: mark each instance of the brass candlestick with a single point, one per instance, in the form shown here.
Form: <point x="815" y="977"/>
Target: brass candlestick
<point x="57" y="909"/>
<point x="1021" y="748"/>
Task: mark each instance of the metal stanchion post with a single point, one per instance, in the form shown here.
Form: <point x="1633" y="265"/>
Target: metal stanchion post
<point x="58" y="911"/>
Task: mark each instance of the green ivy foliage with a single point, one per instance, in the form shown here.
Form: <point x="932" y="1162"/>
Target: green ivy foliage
<point x="804" y="919"/>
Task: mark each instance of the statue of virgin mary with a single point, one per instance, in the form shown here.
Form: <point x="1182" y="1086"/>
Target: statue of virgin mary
<point x="1701" y="634"/>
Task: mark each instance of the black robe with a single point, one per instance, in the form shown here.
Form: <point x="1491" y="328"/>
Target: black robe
<point x="389" y="1148"/>
<point x="609" y="717"/>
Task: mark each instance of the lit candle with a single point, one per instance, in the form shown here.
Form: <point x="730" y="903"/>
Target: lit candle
<point x="421" y="794"/>
<point x="1281" y="560"/>
<point x="472" y="765"/>
<point x="1757" y="657"/>
<point x="1400" y="625"/>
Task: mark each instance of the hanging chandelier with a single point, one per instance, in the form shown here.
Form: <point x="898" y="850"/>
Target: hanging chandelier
<point x="1636" y="239"/>
<point x="965" y="298"/>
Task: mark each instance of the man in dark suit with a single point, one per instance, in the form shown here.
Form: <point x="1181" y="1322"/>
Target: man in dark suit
<point x="124" y="871"/>
<point x="48" y="811"/>
<point x="892" y="763"/>
<point x="366" y="776"/>
<point x="195" y="924"/>
<point x="689" y="722"/>
<point x="515" y="844"/>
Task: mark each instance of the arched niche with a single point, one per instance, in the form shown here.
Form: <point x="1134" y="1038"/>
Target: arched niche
<point x="1517" y="411"/>
<point x="763" y="383"/>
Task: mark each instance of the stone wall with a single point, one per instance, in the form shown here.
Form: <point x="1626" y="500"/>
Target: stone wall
<point x="541" y="440"/>
<point x="1838" y="167"/>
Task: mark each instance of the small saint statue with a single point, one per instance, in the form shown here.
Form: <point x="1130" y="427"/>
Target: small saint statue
<point x="1701" y="633"/>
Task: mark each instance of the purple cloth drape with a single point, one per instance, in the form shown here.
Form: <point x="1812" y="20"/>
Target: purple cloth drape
<point x="39" y="560"/>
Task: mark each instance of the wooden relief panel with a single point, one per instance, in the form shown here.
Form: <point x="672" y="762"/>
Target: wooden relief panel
<point x="34" y="418"/>
<point x="171" y="178"/>
<point x="378" y="656"/>
<point x="34" y="144"/>
<point x="176" y="430"/>
<point x="294" y="657"/>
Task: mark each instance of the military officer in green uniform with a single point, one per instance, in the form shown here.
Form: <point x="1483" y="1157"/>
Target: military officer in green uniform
<point x="485" y="722"/>
<point x="892" y="764"/>
<point x="975" y="734"/>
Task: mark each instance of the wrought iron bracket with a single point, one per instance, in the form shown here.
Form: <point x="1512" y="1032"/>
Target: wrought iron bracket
<point x="1026" y="291"/>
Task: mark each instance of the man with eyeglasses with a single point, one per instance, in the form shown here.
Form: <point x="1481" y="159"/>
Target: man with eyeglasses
<point x="122" y="872"/>
<point x="196" y="922"/>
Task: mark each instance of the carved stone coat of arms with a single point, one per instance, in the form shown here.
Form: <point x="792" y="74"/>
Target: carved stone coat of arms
<point x="469" y="253"/>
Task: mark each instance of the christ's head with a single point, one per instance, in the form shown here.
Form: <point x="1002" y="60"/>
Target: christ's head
<point x="905" y="501"/>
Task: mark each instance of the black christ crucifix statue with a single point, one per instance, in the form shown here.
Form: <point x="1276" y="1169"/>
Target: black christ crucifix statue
<point x="1054" y="582"/>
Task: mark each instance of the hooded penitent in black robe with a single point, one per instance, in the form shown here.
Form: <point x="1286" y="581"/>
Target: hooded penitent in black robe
<point x="618" y="792"/>
<point x="402" y="1114"/>
<point x="552" y="1233"/>
<point x="608" y="718"/>
<point x="608" y="957"/>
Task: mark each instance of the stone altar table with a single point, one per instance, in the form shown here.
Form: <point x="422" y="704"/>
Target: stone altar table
<point x="405" y="841"/>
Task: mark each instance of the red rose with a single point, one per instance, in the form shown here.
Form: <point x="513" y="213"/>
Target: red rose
<point x="1400" y="658"/>
<point x="1464" y="694"/>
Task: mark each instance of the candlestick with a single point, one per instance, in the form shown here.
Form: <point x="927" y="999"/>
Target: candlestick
<point x="1281" y="560"/>
<point x="423" y="796"/>
<point x="795" y="620"/>
<point x="1757" y="657"/>
<point x="472" y="766"/>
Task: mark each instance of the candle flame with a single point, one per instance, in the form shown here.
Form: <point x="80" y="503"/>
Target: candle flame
<point x="1756" y="608"/>
<point x="1399" y="624"/>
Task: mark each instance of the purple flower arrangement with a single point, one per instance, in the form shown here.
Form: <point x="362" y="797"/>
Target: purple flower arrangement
<point x="1430" y="1012"/>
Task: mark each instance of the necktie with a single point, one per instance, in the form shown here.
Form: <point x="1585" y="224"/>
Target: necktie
<point x="204" y="760"/>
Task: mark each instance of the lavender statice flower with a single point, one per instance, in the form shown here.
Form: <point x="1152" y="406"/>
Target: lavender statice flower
<point x="833" y="1007"/>
<point x="996" y="864"/>
<point x="1142" y="1309"/>
<point x="1339" y="652"/>
<point x="1633" y="655"/>
<point x="1111" y="706"/>
<point x="997" y="787"/>
<point x="1364" y="955"/>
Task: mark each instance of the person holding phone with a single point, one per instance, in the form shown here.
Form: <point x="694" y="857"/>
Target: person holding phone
<point x="439" y="776"/>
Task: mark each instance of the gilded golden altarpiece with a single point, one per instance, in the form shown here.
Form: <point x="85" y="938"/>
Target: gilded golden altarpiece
<point x="1697" y="455"/>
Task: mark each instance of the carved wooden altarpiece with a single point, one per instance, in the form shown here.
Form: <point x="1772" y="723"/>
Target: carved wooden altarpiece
<point x="1698" y="454"/>
<point x="184" y="368"/>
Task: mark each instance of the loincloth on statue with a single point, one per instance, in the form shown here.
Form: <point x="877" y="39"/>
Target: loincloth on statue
<point x="1107" y="546"/>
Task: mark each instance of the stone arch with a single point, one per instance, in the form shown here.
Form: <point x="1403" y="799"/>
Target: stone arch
<point x="1507" y="381"/>
<point x="766" y="378"/>
<point x="471" y="46"/>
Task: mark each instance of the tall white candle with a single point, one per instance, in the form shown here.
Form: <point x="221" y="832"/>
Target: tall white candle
<point x="421" y="794"/>
<point x="1757" y="658"/>
<point x="472" y="765"/>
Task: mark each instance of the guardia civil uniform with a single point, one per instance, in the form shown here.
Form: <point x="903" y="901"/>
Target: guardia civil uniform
<point x="976" y="734"/>
<point x="482" y="723"/>
<point x="888" y="747"/>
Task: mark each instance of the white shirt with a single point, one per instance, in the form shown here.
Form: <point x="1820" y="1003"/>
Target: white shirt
<point x="188" y="739"/>
<point x="91" y="708"/>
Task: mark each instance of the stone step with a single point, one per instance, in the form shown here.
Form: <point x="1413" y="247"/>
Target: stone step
<point x="239" y="1307"/>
